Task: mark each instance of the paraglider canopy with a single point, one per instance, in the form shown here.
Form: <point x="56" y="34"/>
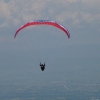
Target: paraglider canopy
<point x="44" y="22"/>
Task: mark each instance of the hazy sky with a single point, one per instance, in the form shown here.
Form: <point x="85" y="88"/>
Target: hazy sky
<point x="80" y="17"/>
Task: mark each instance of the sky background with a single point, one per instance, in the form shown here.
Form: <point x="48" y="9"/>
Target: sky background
<point x="75" y="59"/>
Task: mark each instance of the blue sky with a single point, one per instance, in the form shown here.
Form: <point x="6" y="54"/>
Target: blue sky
<point x="80" y="17"/>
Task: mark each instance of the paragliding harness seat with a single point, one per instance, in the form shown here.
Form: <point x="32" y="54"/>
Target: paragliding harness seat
<point x="42" y="66"/>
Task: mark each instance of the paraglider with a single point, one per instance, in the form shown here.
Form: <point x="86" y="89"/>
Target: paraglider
<point x="43" y="22"/>
<point x="42" y="66"/>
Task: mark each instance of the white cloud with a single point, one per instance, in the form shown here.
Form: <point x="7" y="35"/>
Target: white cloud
<point x="88" y="17"/>
<point x="91" y="2"/>
<point x="4" y="10"/>
<point x="66" y="15"/>
<point x="66" y="1"/>
<point x="17" y="12"/>
<point x="4" y="13"/>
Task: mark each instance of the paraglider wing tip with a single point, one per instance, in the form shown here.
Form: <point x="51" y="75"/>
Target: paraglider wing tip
<point x="15" y="34"/>
<point x="68" y="35"/>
